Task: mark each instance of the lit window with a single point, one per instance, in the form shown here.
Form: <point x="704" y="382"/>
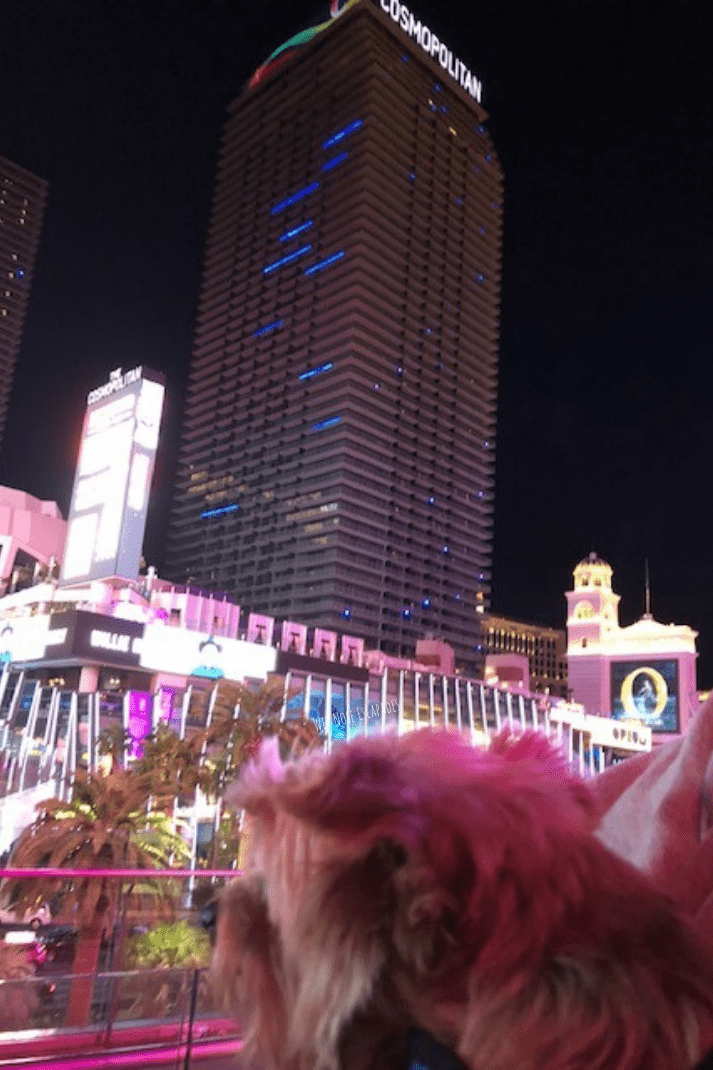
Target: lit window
<point x="298" y="196"/>
<point x="335" y="161"/>
<point x="321" y="264"/>
<point x="341" y="134"/>
<point x="286" y="259"/>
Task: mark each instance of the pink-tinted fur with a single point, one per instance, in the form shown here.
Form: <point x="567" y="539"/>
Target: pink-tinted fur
<point x="418" y="881"/>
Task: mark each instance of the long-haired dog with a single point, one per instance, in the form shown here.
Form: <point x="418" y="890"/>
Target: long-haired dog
<point x="418" y="881"/>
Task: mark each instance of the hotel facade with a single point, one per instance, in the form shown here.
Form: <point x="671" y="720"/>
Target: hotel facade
<point x="22" y="206"/>
<point x="337" y="458"/>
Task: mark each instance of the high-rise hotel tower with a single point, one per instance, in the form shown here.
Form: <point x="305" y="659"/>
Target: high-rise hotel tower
<point x="337" y="456"/>
<point x="22" y="206"/>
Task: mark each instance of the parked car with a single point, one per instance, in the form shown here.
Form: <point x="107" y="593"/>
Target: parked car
<point x="34" y="919"/>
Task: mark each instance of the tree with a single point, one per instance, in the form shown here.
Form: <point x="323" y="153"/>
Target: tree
<point x="241" y="719"/>
<point x="106" y="825"/>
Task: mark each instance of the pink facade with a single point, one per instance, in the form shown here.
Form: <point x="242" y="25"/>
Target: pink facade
<point x="645" y="672"/>
<point x="32" y="533"/>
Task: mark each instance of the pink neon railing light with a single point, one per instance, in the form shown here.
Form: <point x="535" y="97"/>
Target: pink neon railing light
<point x="117" y="874"/>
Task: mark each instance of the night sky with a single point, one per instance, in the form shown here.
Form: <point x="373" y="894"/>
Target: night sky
<point x="601" y="112"/>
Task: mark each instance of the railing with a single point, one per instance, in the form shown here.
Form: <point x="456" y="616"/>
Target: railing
<point x="147" y="1010"/>
<point x="48" y="1012"/>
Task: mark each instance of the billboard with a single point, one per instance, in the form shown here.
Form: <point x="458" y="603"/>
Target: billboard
<point x="78" y="635"/>
<point x="107" y="516"/>
<point x="646" y="691"/>
<point x="184" y="653"/>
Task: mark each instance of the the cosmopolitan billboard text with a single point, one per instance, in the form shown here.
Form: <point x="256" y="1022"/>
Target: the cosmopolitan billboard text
<point x="646" y="691"/>
<point x="107" y="516"/>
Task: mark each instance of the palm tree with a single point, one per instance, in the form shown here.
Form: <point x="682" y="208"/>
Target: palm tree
<point x="106" y="825"/>
<point x="241" y="718"/>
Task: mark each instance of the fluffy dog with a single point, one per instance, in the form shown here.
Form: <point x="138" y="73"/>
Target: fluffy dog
<point x="417" y="881"/>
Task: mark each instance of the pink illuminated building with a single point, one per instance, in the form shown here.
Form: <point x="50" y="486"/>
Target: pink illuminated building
<point x="643" y="673"/>
<point x="32" y="534"/>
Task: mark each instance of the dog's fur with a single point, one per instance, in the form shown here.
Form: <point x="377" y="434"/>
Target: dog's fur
<point x="419" y="881"/>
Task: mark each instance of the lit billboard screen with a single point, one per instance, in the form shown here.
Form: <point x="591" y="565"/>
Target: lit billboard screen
<point x="646" y="691"/>
<point x="107" y="517"/>
<point x="185" y="653"/>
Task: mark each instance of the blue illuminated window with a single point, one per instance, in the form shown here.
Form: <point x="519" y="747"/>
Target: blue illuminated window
<point x="324" y="263"/>
<point x="316" y="371"/>
<point x="19" y="274"/>
<point x="431" y="500"/>
<point x="324" y="424"/>
<point x="406" y="613"/>
<point x="341" y="134"/>
<point x="223" y="511"/>
<point x="346" y="612"/>
<point x="335" y="161"/>
<point x="286" y="259"/>
<point x="300" y="195"/>
<point x="445" y="549"/>
<point x="456" y="597"/>
<point x="438" y="87"/>
<point x="481" y="129"/>
<point x="426" y="603"/>
<point x="480" y="277"/>
<point x="267" y="329"/>
<point x="290" y="234"/>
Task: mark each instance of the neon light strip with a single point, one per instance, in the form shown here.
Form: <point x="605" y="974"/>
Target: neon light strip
<point x="286" y="259"/>
<point x="316" y="371"/>
<point x="335" y="161"/>
<point x="289" y="234"/>
<point x="52" y="872"/>
<point x="267" y="329"/>
<point x="300" y="195"/>
<point x="324" y="263"/>
<point x="299" y="39"/>
<point x="324" y="424"/>
<point x="341" y="134"/>
<point x="199" y="1050"/>
<point x="220" y="512"/>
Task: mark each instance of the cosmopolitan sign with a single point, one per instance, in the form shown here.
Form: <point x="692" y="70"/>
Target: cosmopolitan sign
<point x="431" y="44"/>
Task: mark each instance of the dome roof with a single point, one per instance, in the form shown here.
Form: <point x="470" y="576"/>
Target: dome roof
<point x="593" y="559"/>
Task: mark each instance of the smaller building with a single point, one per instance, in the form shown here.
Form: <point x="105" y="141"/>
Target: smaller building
<point x="32" y="535"/>
<point x="641" y="674"/>
<point x="544" y="648"/>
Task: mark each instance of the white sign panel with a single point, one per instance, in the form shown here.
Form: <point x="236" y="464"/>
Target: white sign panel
<point x="107" y="516"/>
<point x="184" y="653"/>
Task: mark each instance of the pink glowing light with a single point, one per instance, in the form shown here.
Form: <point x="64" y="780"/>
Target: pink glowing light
<point x="146" y="1058"/>
<point x="116" y="874"/>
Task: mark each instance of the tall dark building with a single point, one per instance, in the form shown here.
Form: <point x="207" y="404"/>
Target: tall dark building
<point x="337" y="457"/>
<point x="22" y="206"/>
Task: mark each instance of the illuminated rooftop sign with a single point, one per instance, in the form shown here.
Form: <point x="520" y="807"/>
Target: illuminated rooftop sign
<point x="408" y="22"/>
<point x="107" y="516"/>
<point x="430" y="43"/>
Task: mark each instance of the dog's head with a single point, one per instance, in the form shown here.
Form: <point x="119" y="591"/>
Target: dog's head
<point x="419" y="880"/>
<point x="399" y="854"/>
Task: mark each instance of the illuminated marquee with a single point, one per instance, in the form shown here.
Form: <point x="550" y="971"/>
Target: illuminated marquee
<point x="430" y="43"/>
